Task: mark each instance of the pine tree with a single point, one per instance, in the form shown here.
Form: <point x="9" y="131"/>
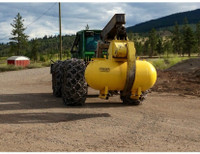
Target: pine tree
<point x="176" y="39"/>
<point x="159" y="46"/>
<point x="130" y="36"/>
<point x="34" y="51"/>
<point x="167" y="47"/>
<point x="146" y="48"/>
<point x="87" y="27"/>
<point x="198" y="36"/>
<point x="152" y="41"/>
<point x="19" y="40"/>
<point x="188" y="39"/>
<point x="138" y="47"/>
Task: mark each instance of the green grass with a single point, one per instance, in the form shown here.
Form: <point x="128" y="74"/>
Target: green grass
<point x="3" y="60"/>
<point x="164" y="63"/>
<point x="34" y="65"/>
<point x="39" y="64"/>
<point x="46" y="63"/>
<point x="159" y="63"/>
<point x="4" y="68"/>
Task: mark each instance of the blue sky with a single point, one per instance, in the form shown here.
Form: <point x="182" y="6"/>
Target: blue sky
<point x="75" y="16"/>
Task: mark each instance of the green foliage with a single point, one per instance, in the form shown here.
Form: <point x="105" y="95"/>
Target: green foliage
<point x="164" y="63"/>
<point x="182" y="40"/>
<point x="131" y="36"/>
<point x="188" y="39"/>
<point x="39" y="64"/>
<point x="46" y="64"/>
<point x="68" y="54"/>
<point x="4" y="68"/>
<point x="152" y="41"/>
<point x="19" y="40"/>
<point x="167" y="47"/>
<point x="34" y="65"/>
<point x="176" y="40"/>
<point x="34" y="51"/>
<point x="42" y="59"/>
<point x="4" y="50"/>
<point x="3" y="60"/>
<point x="139" y="47"/>
<point x="46" y="46"/>
<point x="146" y="48"/>
<point x="197" y="37"/>
<point x="159" y="64"/>
<point x="174" y="60"/>
<point x="159" y="46"/>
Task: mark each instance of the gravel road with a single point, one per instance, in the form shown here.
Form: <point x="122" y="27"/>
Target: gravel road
<point x="32" y="119"/>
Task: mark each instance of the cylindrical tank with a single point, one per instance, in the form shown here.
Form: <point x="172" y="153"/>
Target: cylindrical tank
<point x="112" y="74"/>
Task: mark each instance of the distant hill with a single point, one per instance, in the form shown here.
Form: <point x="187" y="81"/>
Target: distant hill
<point x="193" y="17"/>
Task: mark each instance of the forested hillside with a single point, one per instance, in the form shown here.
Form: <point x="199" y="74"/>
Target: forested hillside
<point x="193" y="17"/>
<point x="46" y="45"/>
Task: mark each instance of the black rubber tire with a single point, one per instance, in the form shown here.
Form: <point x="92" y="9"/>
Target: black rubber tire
<point x="57" y="78"/>
<point x="74" y="89"/>
<point x="128" y="101"/>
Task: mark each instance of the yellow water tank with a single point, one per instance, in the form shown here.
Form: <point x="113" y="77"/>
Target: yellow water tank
<point x="112" y="74"/>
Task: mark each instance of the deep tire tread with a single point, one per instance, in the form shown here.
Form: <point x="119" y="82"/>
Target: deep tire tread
<point x="57" y="78"/>
<point x="74" y="89"/>
<point x="128" y="101"/>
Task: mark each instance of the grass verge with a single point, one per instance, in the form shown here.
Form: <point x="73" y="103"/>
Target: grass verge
<point x="4" y="68"/>
<point x="160" y="64"/>
<point x="164" y="63"/>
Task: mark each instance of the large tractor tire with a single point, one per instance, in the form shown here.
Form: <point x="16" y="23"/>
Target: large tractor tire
<point x="128" y="101"/>
<point x="74" y="89"/>
<point x="57" y="78"/>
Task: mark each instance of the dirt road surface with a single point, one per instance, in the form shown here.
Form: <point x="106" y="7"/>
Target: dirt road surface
<point x="32" y="119"/>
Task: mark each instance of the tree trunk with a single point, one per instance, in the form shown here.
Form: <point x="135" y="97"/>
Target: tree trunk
<point x="188" y="53"/>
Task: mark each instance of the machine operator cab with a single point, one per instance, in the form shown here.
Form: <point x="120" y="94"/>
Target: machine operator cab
<point x="85" y="44"/>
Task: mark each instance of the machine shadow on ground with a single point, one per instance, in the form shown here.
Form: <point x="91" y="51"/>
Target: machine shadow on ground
<point x="26" y="118"/>
<point x="48" y="101"/>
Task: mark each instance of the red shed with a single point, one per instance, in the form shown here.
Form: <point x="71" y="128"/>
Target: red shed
<point x="18" y="61"/>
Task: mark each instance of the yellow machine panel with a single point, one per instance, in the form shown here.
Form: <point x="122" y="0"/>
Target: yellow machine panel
<point x="119" y="49"/>
<point x="120" y="70"/>
<point x="145" y="76"/>
<point x="102" y="73"/>
<point x="111" y="74"/>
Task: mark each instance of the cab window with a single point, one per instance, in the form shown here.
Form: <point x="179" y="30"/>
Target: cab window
<point x="91" y="42"/>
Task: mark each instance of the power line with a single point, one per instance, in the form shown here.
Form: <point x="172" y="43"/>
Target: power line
<point x="42" y="14"/>
<point x="34" y="20"/>
<point x="5" y="37"/>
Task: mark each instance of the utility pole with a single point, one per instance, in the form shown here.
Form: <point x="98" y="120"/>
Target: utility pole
<point x="60" y="32"/>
